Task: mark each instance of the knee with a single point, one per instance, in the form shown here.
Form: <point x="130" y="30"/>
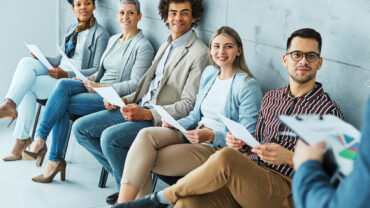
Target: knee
<point x="26" y="62"/>
<point x="225" y="156"/>
<point x="107" y="140"/>
<point x="62" y="83"/>
<point x="144" y="137"/>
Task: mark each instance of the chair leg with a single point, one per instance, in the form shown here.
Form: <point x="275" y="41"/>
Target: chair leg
<point x="103" y="178"/>
<point x="35" y="122"/>
<point x="154" y="181"/>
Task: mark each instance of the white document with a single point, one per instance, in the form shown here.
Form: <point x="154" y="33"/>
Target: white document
<point x="168" y="118"/>
<point x="76" y="71"/>
<point x="340" y="136"/>
<point x="239" y="131"/>
<point x="36" y="51"/>
<point x="109" y="94"/>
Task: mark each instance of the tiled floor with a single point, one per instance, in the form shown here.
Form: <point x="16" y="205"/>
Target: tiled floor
<point x="79" y="190"/>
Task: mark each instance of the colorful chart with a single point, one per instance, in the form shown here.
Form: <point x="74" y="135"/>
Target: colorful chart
<point x="343" y="138"/>
<point x="350" y="152"/>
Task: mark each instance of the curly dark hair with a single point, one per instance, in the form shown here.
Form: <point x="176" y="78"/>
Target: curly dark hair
<point x="196" y="9"/>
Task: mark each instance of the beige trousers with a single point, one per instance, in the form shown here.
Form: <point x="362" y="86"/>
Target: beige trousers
<point x="163" y="151"/>
<point x="229" y="179"/>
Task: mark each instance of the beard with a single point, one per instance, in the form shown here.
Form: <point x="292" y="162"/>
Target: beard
<point x="302" y="79"/>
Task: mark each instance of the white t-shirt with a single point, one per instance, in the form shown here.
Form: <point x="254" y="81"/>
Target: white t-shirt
<point x="214" y="103"/>
<point x="76" y="59"/>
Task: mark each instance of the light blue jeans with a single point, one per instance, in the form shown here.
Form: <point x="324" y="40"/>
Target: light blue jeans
<point x="108" y="136"/>
<point x="31" y="81"/>
<point x="68" y="97"/>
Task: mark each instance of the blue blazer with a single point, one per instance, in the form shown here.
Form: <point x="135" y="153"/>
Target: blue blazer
<point x="242" y="103"/>
<point x="93" y="49"/>
<point x="136" y="61"/>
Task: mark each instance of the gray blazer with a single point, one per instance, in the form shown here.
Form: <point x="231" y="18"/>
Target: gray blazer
<point x="180" y="82"/>
<point x="135" y="62"/>
<point x="93" y="49"/>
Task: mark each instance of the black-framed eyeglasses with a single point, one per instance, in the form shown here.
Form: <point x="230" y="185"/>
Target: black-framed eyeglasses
<point x="298" y="55"/>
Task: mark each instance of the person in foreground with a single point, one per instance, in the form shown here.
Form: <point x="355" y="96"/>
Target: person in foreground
<point x="262" y="177"/>
<point x="84" y="45"/>
<point x="126" y="59"/>
<point x="172" y="81"/>
<point x="226" y="88"/>
<point x="311" y="187"/>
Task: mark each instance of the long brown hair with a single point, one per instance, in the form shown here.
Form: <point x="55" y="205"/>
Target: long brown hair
<point x="239" y="62"/>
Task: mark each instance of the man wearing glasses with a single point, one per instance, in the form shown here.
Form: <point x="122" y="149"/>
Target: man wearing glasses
<point x="261" y="177"/>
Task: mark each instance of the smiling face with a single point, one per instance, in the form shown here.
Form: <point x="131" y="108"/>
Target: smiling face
<point x="179" y="18"/>
<point x="128" y="16"/>
<point x="302" y="71"/>
<point x="224" y="51"/>
<point x="83" y="9"/>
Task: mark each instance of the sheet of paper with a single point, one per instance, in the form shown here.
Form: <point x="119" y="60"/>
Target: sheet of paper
<point x="76" y="71"/>
<point x="239" y="131"/>
<point x="36" y="51"/>
<point x="340" y="136"/>
<point x="168" y="118"/>
<point x="109" y="94"/>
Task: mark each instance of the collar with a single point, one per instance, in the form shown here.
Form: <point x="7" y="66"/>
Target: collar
<point x="181" y="40"/>
<point x="318" y="90"/>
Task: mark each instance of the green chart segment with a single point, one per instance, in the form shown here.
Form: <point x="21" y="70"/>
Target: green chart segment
<point x="351" y="152"/>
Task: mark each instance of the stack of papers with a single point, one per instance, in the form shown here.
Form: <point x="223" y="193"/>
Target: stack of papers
<point x="76" y="71"/>
<point x="36" y="51"/>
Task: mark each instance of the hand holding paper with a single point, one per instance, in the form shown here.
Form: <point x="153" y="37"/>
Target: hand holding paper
<point x="109" y="94"/>
<point x="76" y="71"/>
<point x="36" y="52"/>
<point x="239" y="131"/>
<point x="168" y="118"/>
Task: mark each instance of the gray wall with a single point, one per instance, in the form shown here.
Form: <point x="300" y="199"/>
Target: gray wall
<point x="264" y="26"/>
<point x="33" y="21"/>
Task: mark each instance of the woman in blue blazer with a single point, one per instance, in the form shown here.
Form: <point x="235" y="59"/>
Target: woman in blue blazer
<point x="226" y="88"/>
<point x="84" y="44"/>
<point x="124" y="62"/>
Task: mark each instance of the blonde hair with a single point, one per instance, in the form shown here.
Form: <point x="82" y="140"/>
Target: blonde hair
<point x="239" y="62"/>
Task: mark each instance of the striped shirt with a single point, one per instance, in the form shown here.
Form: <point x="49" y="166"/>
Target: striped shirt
<point x="280" y="102"/>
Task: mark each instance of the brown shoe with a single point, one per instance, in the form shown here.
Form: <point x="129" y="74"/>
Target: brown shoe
<point x="19" y="145"/>
<point x="60" y="168"/>
<point x="39" y="156"/>
<point x="8" y="109"/>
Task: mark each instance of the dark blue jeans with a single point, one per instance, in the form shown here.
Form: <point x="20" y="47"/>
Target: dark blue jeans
<point x="69" y="96"/>
<point x="108" y="136"/>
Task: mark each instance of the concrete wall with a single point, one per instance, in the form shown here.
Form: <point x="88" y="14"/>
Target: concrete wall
<point x="33" y="21"/>
<point x="264" y="26"/>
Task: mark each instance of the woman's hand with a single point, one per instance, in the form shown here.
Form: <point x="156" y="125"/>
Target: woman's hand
<point x="233" y="142"/>
<point x="33" y="55"/>
<point x="198" y="136"/>
<point x="58" y="73"/>
<point x="89" y="85"/>
<point x="165" y="124"/>
<point x="109" y="106"/>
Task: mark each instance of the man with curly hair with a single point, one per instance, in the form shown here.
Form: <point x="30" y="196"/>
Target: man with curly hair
<point x="172" y="81"/>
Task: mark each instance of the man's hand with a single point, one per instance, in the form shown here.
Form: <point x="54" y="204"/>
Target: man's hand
<point x="89" y="86"/>
<point x="58" y="73"/>
<point x="273" y="153"/>
<point x="233" y="142"/>
<point x="133" y="112"/>
<point x="303" y="153"/>
<point x="165" y="124"/>
<point x="109" y="106"/>
<point x="198" y="136"/>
